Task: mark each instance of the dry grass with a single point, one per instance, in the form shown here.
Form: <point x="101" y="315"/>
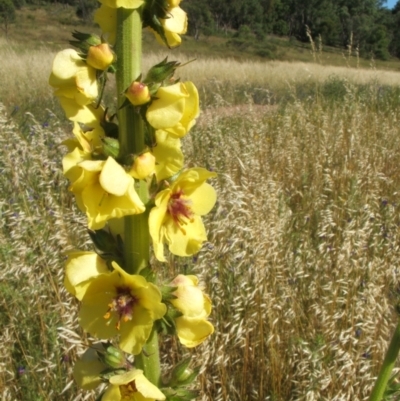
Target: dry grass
<point x="264" y="82"/>
<point x="302" y="262"/>
<point x="273" y="73"/>
<point x="303" y="256"/>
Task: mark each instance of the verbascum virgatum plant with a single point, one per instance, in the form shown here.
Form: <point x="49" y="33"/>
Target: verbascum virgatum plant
<point x="127" y="170"/>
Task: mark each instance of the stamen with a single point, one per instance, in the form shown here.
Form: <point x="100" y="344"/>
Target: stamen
<point x="127" y="390"/>
<point x="180" y="210"/>
<point x="122" y="305"/>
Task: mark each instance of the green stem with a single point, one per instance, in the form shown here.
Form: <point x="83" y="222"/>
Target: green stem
<point x="149" y="359"/>
<point x="132" y="141"/>
<point x="131" y="133"/>
<point x="387" y="366"/>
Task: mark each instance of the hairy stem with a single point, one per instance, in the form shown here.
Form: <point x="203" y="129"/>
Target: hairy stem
<point x="132" y="141"/>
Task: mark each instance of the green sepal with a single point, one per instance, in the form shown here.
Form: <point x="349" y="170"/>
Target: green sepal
<point x="159" y="73"/>
<point x="167" y="324"/>
<point x="179" y="394"/>
<point x="149" y="131"/>
<point x="190" y="378"/>
<point x="108" y="247"/>
<point x="114" y="358"/>
<point x="148" y="274"/>
<point x="84" y="41"/>
<point x="107" y="373"/>
<point x="167" y="292"/>
<point x="178" y="372"/>
<point x="110" y="147"/>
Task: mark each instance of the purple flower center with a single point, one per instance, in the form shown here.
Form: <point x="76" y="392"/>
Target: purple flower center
<point x="122" y="305"/>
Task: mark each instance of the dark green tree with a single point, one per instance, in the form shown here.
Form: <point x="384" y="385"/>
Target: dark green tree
<point x="199" y="15"/>
<point x="7" y="15"/>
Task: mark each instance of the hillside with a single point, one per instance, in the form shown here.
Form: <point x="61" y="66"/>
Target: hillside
<point x="50" y="26"/>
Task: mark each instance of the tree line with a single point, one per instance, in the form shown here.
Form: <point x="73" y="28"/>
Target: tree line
<point x="365" y="25"/>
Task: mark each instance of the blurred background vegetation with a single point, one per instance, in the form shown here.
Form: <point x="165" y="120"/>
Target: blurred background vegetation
<point x="364" y="26"/>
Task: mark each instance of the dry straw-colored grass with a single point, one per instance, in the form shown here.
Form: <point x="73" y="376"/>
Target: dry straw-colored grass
<point x="303" y="252"/>
<point x="303" y="260"/>
<point x="27" y="71"/>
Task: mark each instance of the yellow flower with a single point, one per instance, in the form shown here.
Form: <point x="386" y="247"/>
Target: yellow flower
<point x="118" y="303"/>
<point x="132" y="4"/>
<point x="175" y="108"/>
<point x="73" y="78"/>
<point x="103" y="189"/>
<point x="174" y="25"/>
<point x="192" y="327"/>
<point x="132" y="386"/>
<point x="106" y="18"/>
<point x="168" y="154"/>
<point x="176" y="220"/>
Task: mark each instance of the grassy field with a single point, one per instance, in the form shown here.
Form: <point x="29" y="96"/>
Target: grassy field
<point x="303" y="257"/>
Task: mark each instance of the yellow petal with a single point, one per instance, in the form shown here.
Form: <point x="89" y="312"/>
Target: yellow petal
<point x="114" y="179"/>
<point x="185" y="243"/>
<point x="66" y="64"/>
<point x="147" y="389"/>
<point x="125" y="378"/>
<point x="192" y="331"/>
<point x="71" y="160"/>
<point x="167" y="110"/>
<point x="106" y="17"/>
<point x="112" y="394"/>
<point x="192" y="108"/>
<point x="85" y="114"/>
<point x="87" y="373"/>
<point x="80" y="267"/>
<point x="189" y="301"/>
<point x="168" y="154"/>
<point x="177" y="21"/>
<point x="143" y="385"/>
<point x="134" y="333"/>
<point x="131" y="4"/>
<point x="86" y="82"/>
<point x="156" y="220"/>
<point x="203" y="199"/>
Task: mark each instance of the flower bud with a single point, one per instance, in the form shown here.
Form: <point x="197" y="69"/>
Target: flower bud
<point x="100" y="57"/>
<point x="143" y="166"/>
<point x="138" y="93"/>
<point x="114" y="357"/>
